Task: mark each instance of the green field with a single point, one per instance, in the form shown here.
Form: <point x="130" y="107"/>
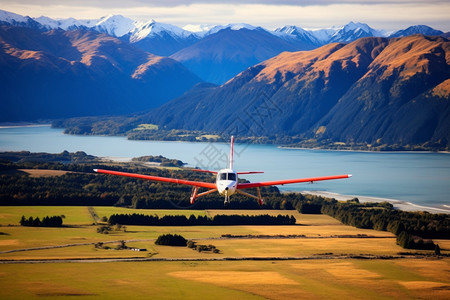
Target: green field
<point x="314" y="277"/>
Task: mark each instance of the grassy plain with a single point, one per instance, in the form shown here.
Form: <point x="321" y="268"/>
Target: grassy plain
<point x="313" y="278"/>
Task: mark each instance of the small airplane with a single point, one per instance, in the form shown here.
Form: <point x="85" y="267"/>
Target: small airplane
<point x="226" y="183"/>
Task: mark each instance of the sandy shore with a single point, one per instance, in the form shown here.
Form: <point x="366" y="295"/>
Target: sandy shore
<point x="399" y="204"/>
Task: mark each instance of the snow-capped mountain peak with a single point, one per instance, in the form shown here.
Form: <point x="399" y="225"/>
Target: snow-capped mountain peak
<point x="199" y="29"/>
<point x="66" y="24"/>
<point x="292" y="31"/>
<point x="17" y="20"/>
<point x="421" y="29"/>
<point x="353" y="31"/>
<point x="296" y="33"/>
<point x="233" y="26"/>
<point x="153" y="28"/>
<point x="115" y="25"/>
<point x="355" y="26"/>
<point x="10" y="17"/>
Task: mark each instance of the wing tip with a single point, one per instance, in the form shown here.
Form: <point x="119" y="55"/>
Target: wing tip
<point x="95" y="170"/>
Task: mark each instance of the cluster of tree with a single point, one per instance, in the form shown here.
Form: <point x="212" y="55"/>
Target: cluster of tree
<point x="106" y="229"/>
<point x="181" y="220"/>
<point x="409" y="241"/>
<point x="165" y="162"/>
<point x="202" y="248"/>
<point x="120" y="246"/>
<point x="55" y="221"/>
<point x="171" y="240"/>
<point x="410" y="227"/>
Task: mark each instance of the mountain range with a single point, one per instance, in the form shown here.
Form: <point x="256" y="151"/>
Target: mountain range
<point x="372" y="91"/>
<point x="349" y="85"/>
<point x="58" y="74"/>
<point x="214" y="53"/>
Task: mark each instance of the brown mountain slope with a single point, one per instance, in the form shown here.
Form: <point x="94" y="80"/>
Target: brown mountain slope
<point x="402" y="99"/>
<point x="59" y="74"/>
<point x="368" y="91"/>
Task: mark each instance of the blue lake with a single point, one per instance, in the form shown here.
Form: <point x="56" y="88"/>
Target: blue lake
<point x="419" y="178"/>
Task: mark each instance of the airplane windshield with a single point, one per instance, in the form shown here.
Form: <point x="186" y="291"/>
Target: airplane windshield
<point x="227" y="176"/>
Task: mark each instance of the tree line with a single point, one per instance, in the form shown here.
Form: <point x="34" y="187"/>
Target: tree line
<point x="414" y="230"/>
<point x="181" y="220"/>
<point x="55" y="221"/>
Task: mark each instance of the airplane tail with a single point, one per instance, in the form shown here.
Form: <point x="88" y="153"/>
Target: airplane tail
<point x="231" y="153"/>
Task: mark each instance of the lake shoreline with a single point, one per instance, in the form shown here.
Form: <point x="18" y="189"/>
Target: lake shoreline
<point x="398" y="204"/>
<point x="6" y="125"/>
<point x="361" y="151"/>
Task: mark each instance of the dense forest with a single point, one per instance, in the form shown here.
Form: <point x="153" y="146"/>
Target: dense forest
<point x="80" y="186"/>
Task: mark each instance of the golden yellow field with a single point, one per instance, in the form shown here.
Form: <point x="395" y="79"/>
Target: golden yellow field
<point x="321" y="264"/>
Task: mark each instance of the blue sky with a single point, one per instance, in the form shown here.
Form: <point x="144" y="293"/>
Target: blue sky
<point x="389" y="15"/>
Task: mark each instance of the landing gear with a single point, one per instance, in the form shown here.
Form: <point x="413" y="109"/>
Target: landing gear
<point x="258" y="198"/>
<point x="194" y="194"/>
<point x="260" y="202"/>
<point x="227" y="198"/>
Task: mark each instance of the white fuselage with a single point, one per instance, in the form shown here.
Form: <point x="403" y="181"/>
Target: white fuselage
<point x="226" y="182"/>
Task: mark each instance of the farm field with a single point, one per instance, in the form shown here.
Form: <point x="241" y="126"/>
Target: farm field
<point x="321" y="245"/>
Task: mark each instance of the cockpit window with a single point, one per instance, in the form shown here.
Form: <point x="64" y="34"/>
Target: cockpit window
<point x="232" y="176"/>
<point x="227" y="176"/>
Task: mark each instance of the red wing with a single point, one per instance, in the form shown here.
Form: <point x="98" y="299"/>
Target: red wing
<point x="289" y="181"/>
<point x="204" y="171"/>
<point x="250" y="172"/>
<point x="207" y="185"/>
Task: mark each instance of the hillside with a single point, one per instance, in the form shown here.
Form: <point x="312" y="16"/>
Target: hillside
<point x="372" y="91"/>
<point x="57" y="74"/>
